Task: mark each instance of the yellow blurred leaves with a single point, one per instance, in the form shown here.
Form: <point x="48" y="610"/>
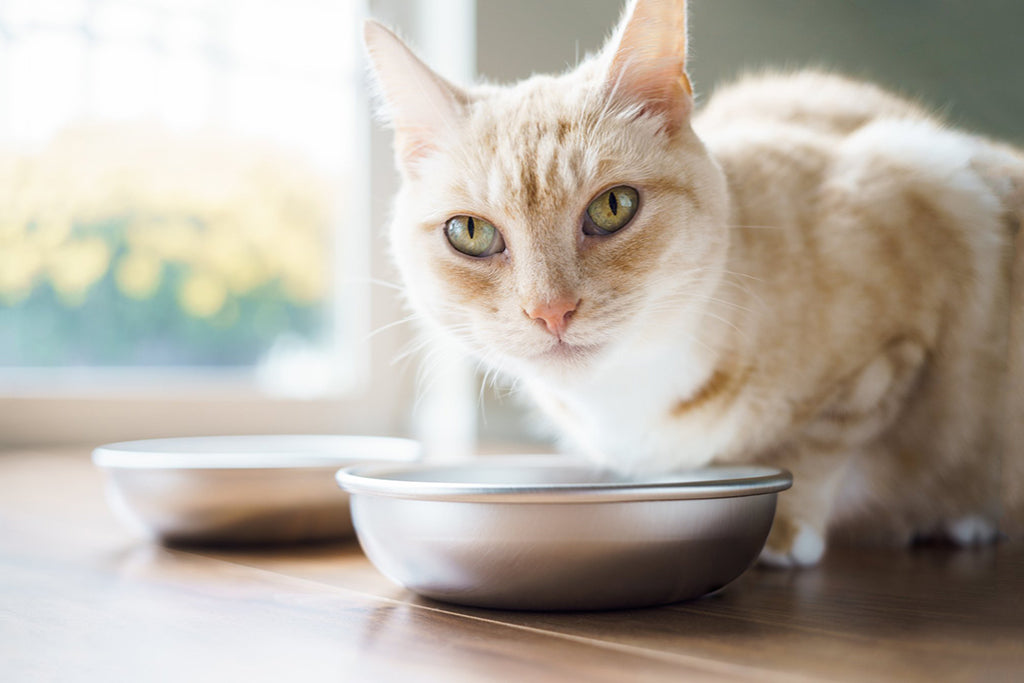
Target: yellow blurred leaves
<point x="75" y="266"/>
<point x="138" y="274"/>
<point x="202" y="295"/>
<point x="230" y="215"/>
<point x="19" y="266"/>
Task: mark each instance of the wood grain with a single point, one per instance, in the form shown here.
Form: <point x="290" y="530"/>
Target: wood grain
<point x="82" y="599"/>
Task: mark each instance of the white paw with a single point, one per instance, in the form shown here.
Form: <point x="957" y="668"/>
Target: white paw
<point x="971" y="530"/>
<point x="806" y="551"/>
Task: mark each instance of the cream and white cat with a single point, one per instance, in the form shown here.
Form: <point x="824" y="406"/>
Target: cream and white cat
<point x="808" y="272"/>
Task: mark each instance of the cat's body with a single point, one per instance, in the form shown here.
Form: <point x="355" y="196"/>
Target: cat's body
<point x="818" y="276"/>
<point x="876" y="339"/>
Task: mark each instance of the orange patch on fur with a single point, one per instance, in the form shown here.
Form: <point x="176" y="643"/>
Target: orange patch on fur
<point x="719" y="384"/>
<point x="468" y="285"/>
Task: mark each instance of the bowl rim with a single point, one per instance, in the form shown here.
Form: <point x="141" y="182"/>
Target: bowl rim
<point x="245" y="452"/>
<point x="734" y="481"/>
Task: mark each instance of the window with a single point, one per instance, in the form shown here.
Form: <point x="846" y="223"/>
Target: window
<point x="176" y="188"/>
<point x="261" y="91"/>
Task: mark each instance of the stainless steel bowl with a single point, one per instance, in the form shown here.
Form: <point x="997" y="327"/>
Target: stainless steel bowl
<point x="547" y="533"/>
<point x="239" y="489"/>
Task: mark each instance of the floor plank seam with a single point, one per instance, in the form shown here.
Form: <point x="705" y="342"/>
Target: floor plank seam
<point x="712" y="666"/>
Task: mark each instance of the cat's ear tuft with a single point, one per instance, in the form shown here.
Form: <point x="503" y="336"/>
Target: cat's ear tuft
<point x="421" y="106"/>
<point x="647" y="66"/>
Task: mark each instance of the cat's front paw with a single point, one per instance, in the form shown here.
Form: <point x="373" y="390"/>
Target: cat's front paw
<point x="972" y="530"/>
<point x="792" y="545"/>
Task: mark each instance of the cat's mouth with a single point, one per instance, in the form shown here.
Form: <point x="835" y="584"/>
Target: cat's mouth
<point x="564" y="352"/>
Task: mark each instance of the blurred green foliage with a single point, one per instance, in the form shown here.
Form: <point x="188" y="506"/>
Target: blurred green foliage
<point x="135" y="246"/>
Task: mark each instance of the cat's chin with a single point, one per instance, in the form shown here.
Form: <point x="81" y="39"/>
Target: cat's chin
<point x="565" y="355"/>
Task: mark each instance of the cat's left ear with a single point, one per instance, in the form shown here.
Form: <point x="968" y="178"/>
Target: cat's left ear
<point x="422" y="106"/>
<point x="648" y="61"/>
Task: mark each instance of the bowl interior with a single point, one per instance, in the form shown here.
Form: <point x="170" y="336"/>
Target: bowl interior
<point x="527" y="472"/>
<point x="553" y="479"/>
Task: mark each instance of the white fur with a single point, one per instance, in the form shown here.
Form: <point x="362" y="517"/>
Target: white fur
<point x="627" y="429"/>
<point x="806" y="551"/>
<point x="972" y="530"/>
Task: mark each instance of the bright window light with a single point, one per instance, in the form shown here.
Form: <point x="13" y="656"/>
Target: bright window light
<point x="174" y="182"/>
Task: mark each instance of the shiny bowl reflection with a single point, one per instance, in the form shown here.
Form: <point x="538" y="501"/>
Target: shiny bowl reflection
<point x="547" y="533"/>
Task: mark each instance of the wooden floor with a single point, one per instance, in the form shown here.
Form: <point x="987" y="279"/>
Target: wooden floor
<point x="81" y="599"/>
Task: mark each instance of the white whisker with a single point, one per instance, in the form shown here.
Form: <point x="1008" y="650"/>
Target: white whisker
<point x="374" y="281"/>
<point x="390" y="325"/>
<point x="743" y="275"/>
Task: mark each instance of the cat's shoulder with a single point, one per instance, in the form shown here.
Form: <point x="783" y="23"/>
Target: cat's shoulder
<point x="814" y="100"/>
<point x="796" y="132"/>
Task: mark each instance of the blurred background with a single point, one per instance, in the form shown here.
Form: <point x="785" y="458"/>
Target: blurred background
<point x="170" y="179"/>
<point x="193" y="194"/>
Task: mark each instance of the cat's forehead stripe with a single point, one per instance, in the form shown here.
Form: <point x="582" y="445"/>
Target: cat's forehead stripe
<point x="546" y="164"/>
<point x="528" y="180"/>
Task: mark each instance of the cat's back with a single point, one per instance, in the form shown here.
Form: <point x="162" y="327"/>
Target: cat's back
<point x="827" y="104"/>
<point x="782" y="137"/>
<point x="803" y="151"/>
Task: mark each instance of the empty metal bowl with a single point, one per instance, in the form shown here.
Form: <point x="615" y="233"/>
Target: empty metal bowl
<point x="239" y="489"/>
<point x="547" y="533"/>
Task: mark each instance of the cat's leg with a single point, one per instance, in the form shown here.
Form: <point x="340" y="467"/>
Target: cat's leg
<point x="1012" y="522"/>
<point x="797" y="537"/>
<point x="858" y="411"/>
<point x="972" y="530"/>
<point x="1002" y="169"/>
<point x="893" y="494"/>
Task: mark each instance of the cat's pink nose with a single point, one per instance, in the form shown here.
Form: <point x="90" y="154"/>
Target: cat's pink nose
<point x="554" y="314"/>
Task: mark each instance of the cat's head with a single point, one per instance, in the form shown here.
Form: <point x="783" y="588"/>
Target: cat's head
<point x="554" y="223"/>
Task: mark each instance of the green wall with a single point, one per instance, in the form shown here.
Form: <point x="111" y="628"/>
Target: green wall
<point x="965" y="57"/>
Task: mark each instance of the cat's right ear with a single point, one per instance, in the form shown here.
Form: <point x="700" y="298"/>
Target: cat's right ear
<point x="648" y="61"/>
<point x="421" y="106"/>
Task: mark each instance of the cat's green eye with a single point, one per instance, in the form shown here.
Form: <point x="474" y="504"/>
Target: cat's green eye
<point x="474" y="236"/>
<point x="611" y="210"/>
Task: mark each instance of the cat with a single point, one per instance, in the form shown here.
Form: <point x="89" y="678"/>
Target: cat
<point x="808" y="272"/>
